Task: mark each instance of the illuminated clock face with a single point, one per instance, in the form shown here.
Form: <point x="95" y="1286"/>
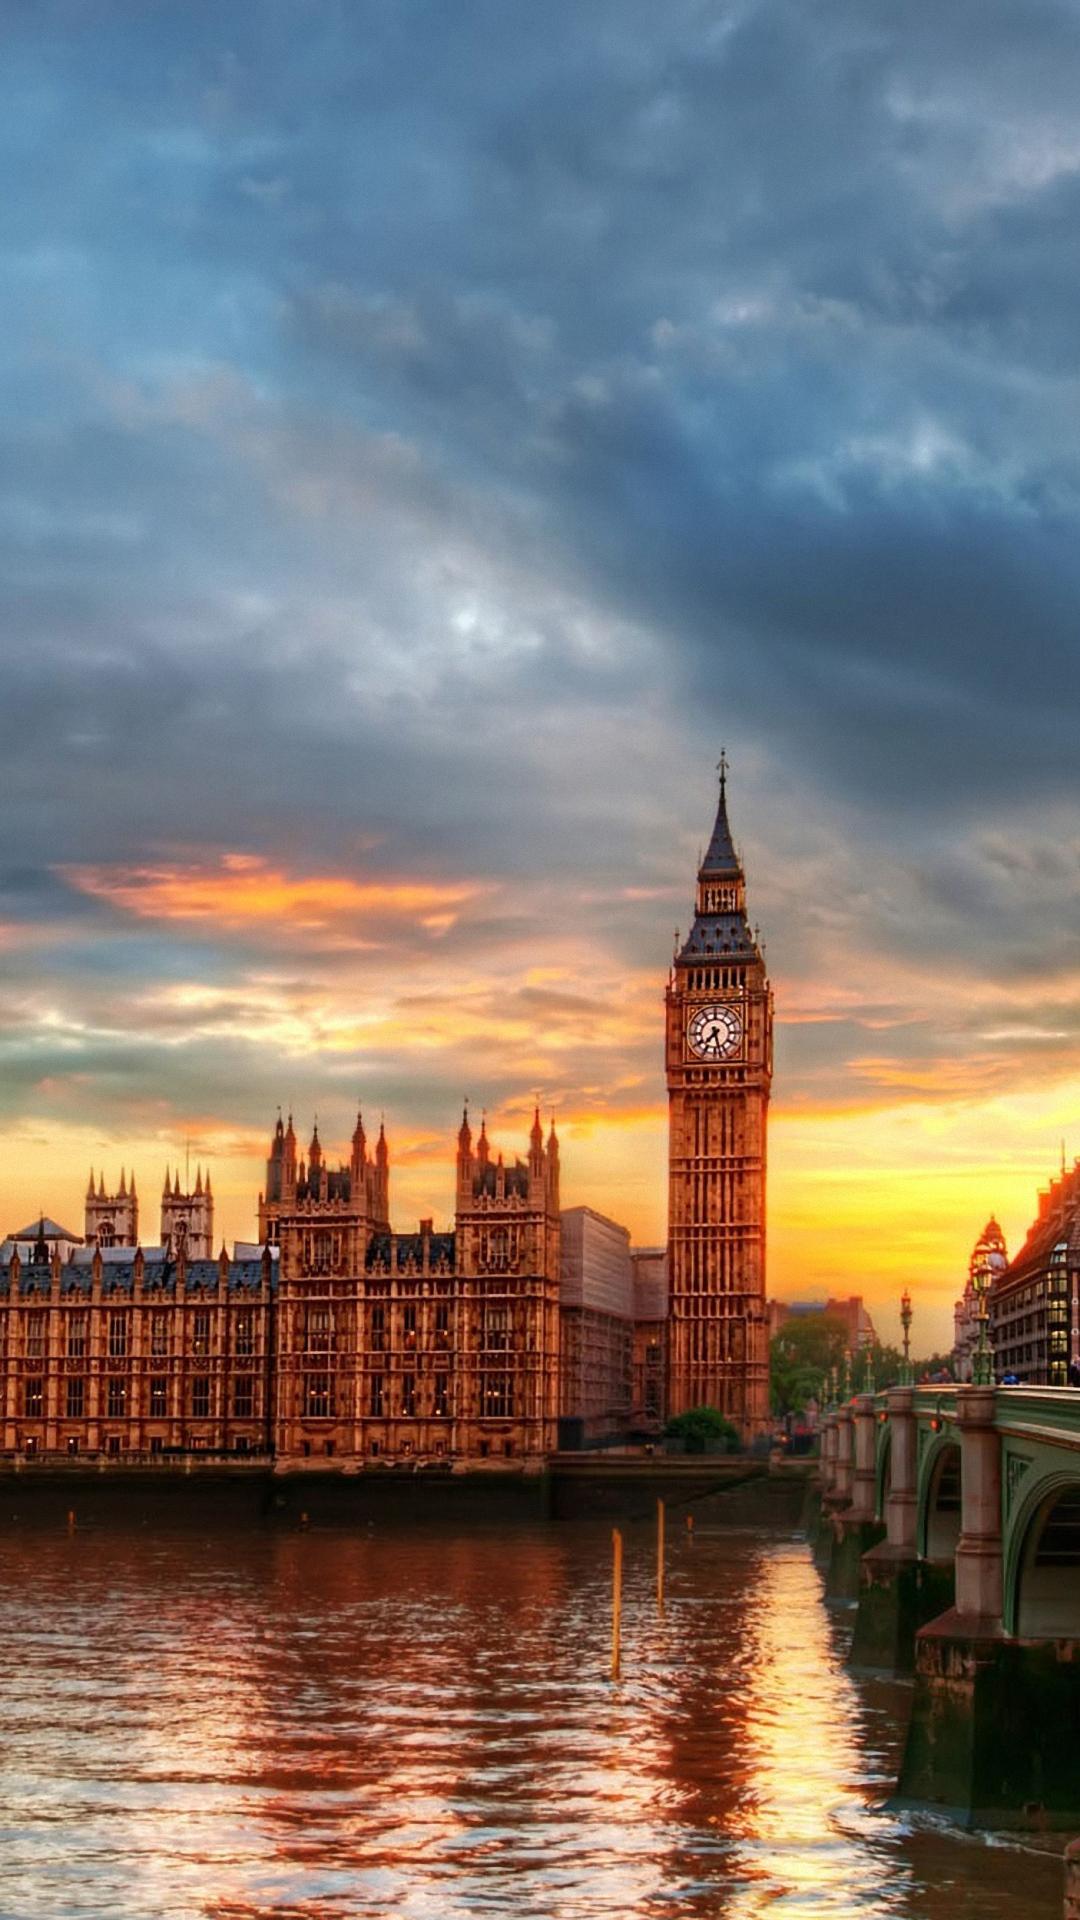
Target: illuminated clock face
<point x="715" y="1033"/>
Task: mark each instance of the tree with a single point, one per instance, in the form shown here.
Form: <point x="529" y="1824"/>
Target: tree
<point x="703" y="1430"/>
<point x="800" y="1355"/>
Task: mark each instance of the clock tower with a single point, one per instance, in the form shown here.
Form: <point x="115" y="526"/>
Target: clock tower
<point x="719" y="1069"/>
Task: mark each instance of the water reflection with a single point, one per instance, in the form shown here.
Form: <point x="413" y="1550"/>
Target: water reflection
<point x="423" y="1726"/>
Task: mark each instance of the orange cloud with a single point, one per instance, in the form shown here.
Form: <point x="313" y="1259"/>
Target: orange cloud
<point x="241" y="889"/>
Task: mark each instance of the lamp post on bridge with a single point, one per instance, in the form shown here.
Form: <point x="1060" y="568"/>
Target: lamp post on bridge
<point x="982" y="1368"/>
<point x="869" y="1383"/>
<point x="905" y="1321"/>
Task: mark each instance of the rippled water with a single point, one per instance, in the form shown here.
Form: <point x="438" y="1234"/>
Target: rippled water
<point x="423" y="1725"/>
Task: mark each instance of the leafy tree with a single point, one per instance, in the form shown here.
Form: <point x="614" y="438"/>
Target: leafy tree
<point x="703" y="1430"/>
<point x="801" y="1355"/>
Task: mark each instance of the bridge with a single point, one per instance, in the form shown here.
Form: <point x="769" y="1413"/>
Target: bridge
<point x="952" y="1514"/>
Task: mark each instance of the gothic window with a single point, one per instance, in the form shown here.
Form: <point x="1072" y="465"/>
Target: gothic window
<point x="497" y="1396"/>
<point x="200" y="1397"/>
<point x="318" y="1396"/>
<point x="245" y="1333"/>
<point x="76" y="1335"/>
<point x="118" y="1335"/>
<point x="497" y="1329"/>
<point x="76" y="1398"/>
<point x="319" y="1330"/>
<point x="243" y="1397"/>
<point x="159" y="1334"/>
<point x="442" y="1324"/>
<point x="375" y="1396"/>
<point x="408" y="1326"/>
<point x="33" y="1398"/>
<point x="378" y="1328"/>
<point x="321" y="1251"/>
<point x="117" y="1398"/>
<point x="35" y="1334"/>
<point x="441" y="1399"/>
<point x="408" y="1394"/>
<point x="200" y="1332"/>
<point x="159" y="1398"/>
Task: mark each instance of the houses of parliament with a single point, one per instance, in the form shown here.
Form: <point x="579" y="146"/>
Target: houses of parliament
<point x="336" y="1340"/>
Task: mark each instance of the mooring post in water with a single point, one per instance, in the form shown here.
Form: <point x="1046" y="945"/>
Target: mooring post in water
<point x="1072" y="1881"/>
<point x="71" y="1519"/>
<point x="616" y="1599"/>
<point x="660" y="1517"/>
<point x="690" y="1528"/>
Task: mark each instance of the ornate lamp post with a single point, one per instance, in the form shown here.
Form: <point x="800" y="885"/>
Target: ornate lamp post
<point x="869" y="1384"/>
<point x="905" y="1322"/>
<point x="845" y="1375"/>
<point x="982" y="1370"/>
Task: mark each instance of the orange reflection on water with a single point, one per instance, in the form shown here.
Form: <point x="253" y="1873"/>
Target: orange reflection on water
<point x="802" y="1734"/>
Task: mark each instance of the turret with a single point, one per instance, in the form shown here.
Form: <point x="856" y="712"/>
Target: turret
<point x="464" y="1155"/>
<point x="111" y="1219"/>
<point x="553" y="1168"/>
<point x="359" y="1149"/>
<point x="187" y="1219"/>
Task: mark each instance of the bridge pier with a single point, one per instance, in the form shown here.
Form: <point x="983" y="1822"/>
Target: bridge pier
<point x="898" y="1592"/>
<point x="819" y="1522"/>
<point x="994" y="1738"/>
<point x="855" y="1527"/>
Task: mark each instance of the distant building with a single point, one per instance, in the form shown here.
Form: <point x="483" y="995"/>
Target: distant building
<point x="596" y="1328"/>
<point x="1035" y="1303"/>
<point x="989" y="1260"/>
<point x="187" y="1219"/>
<point x="647" y="1397"/>
<point x="40" y="1233"/>
<point x="859" y="1327"/>
<point x="112" y="1219"/>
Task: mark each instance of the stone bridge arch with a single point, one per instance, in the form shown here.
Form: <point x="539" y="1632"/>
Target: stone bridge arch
<point x="1042" y="1552"/>
<point x="939" y="1497"/>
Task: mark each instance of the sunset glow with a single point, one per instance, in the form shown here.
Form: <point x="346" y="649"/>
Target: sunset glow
<point x="407" y="505"/>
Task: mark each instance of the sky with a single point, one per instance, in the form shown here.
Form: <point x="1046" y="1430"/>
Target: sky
<point x="430" y="434"/>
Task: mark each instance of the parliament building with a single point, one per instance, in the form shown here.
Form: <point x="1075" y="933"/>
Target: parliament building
<point x="335" y="1339"/>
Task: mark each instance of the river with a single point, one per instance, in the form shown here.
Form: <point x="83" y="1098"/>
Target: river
<point x="422" y="1726"/>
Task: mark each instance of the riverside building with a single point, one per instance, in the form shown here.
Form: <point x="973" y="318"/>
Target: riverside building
<point x="1035" y="1300"/>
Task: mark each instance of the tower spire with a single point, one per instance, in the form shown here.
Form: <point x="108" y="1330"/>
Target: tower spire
<point x="721" y="859"/>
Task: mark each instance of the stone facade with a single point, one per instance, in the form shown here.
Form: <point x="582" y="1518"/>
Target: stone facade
<point x="719" y="1072"/>
<point x="1035" y="1300"/>
<point x="596" y="1328"/>
<point x="117" y="1352"/>
<point x="426" y="1344"/>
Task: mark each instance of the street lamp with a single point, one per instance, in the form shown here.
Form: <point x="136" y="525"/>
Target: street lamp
<point x="982" y="1370"/>
<point x="869" y="1384"/>
<point x="905" y="1322"/>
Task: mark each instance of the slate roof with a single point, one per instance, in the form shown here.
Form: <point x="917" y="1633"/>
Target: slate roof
<point x="51" y="1228"/>
<point x="410" y="1248"/>
<point x="721" y="858"/>
<point x="726" y="934"/>
<point x="159" y="1275"/>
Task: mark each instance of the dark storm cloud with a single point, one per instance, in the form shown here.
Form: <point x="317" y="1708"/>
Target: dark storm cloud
<point x="429" y="431"/>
